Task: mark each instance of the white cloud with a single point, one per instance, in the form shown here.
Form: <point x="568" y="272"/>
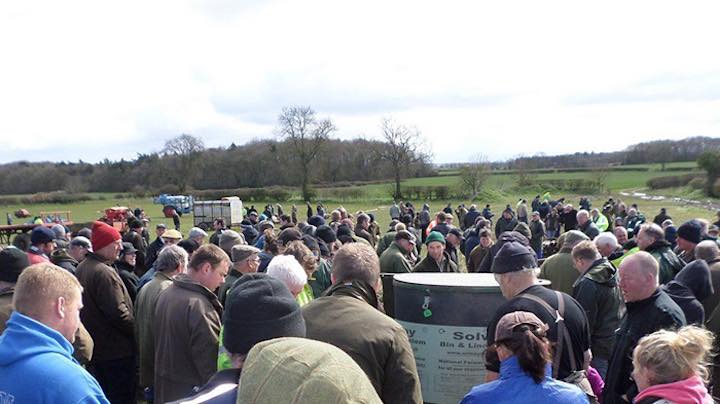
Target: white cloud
<point x="92" y="80"/>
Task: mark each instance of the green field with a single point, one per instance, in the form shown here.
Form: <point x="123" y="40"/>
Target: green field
<point x="499" y="190"/>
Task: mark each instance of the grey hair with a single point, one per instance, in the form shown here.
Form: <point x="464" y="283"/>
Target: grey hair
<point x="606" y="239"/>
<point x="653" y="230"/>
<point x="170" y="257"/>
<point x="707" y="250"/>
<point x="535" y="272"/>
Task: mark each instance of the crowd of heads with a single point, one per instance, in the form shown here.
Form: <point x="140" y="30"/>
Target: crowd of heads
<point x="259" y="274"/>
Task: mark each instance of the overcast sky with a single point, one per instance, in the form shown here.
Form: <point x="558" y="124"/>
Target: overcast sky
<point x="94" y="79"/>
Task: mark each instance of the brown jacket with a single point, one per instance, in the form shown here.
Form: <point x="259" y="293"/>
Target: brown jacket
<point x="144" y="321"/>
<point x="347" y="318"/>
<point x="187" y="326"/>
<point x="108" y="310"/>
<point x="83" y="345"/>
<point x="361" y="232"/>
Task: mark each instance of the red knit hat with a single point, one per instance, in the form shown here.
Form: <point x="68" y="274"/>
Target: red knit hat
<point x="103" y="235"/>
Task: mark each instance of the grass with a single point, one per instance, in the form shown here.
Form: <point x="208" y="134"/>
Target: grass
<point x="499" y="190"/>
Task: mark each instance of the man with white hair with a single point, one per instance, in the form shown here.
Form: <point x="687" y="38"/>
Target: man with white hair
<point x="648" y="309"/>
<point x="607" y="245"/>
<point x="586" y="225"/>
<point x="289" y="271"/>
<point x="198" y="235"/>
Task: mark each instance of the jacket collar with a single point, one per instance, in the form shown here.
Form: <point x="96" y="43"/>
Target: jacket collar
<point x="163" y="275"/>
<point x="510" y="368"/>
<point x="94" y="256"/>
<point x="357" y="289"/>
<point x="657" y="245"/>
<point x="638" y="305"/>
<point x="600" y="271"/>
<point x="36" y="251"/>
<point x="186" y="282"/>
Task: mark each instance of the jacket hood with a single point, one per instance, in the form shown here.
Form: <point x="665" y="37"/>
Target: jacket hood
<point x="301" y="370"/>
<point x="693" y="279"/>
<point x="691" y="390"/>
<point x="512" y="236"/>
<point x="62" y="255"/>
<point x="523" y="229"/>
<point x="602" y="271"/>
<point x="25" y="337"/>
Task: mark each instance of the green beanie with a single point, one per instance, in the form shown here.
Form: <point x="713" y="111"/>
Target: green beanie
<point x="435" y="236"/>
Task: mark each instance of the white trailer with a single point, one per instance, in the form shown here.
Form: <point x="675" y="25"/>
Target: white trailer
<point x="229" y="208"/>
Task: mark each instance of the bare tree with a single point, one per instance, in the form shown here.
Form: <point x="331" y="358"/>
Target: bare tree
<point x="474" y="174"/>
<point x="185" y="151"/>
<point x="307" y="134"/>
<point x="524" y="174"/>
<point x="404" y="146"/>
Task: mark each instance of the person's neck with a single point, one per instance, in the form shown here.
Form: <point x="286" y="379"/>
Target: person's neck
<point x="520" y="286"/>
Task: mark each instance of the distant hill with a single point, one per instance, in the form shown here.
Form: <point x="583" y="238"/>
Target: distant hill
<point x="657" y="151"/>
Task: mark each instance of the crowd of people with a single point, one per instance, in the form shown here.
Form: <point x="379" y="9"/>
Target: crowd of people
<point x="101" y="316"/>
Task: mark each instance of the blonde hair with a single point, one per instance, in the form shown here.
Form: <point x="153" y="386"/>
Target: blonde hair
<point x="671" y="356"/>
<point x="42" y="284"/>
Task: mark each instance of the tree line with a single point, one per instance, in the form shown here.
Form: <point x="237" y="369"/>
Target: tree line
<point x="654" y="152"/>
<point x="302" y="153"/>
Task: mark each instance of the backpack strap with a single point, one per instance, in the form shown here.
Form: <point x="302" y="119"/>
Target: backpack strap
<point x="563" y="336"/>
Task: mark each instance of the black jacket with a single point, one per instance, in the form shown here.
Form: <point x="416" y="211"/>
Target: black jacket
<point x="569" y="220"/>
<point x="642" y="318"/>
<point x="598" y="293"/>
<point x="152" y="252"/>
<point x="691" y="286"/>
<point x="504" y="225"/>
<point x="590" y="229"/>
<point x="130" y="280"/>
<point x="470" y="218"/>
<point x="486" y="263"/>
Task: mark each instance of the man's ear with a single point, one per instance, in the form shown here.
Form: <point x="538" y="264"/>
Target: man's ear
<point x="332" y="278"/>
<point x="60" y="307"/>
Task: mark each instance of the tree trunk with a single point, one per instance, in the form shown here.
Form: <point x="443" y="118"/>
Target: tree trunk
<point x="305" y="187"/>
<point x="397" y="185"/>
<point x="710" y="185"/>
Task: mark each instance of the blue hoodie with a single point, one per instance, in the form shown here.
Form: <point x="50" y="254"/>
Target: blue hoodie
<point x="36" y="366"/>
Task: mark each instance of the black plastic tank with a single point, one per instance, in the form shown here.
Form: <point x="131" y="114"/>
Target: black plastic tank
<point x="446" y="317"/>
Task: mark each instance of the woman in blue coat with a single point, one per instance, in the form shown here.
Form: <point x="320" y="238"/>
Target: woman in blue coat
<point x="525" y="374"/>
